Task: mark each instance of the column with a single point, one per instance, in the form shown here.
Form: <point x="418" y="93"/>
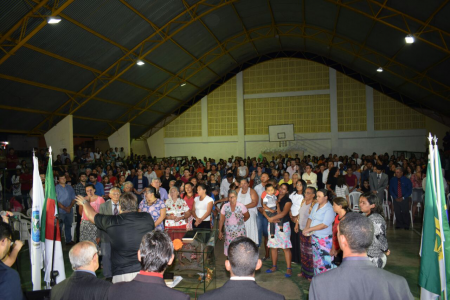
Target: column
<point x="121" y="138"/>
<point x="60" y="136"/>
<point x="370" y="113"/>
<point x="204" y="104"/>
<point x="333" y="111"/>
<point x="240" y="114"/>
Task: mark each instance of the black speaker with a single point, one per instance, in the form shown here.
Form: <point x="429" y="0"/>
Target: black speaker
<point x="38" y="295"/>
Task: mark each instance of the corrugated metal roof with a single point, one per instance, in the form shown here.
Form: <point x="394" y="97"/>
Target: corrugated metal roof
<point x="111" y="26"/>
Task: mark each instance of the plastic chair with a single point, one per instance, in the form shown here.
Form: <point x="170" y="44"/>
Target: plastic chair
<point x="23" y="225"/>
<point x="386" y="208"/>
<point x="354" y="200"/>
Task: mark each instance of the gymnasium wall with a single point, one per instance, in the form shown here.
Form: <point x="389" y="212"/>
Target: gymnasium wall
<point x="331" y="113"/>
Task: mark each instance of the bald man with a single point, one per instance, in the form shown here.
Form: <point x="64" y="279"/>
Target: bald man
<point x="83" y="284"/>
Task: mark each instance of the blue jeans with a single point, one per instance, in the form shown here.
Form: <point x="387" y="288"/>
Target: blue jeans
<point x="67" y="220"/>
<point x="262" y="224"/>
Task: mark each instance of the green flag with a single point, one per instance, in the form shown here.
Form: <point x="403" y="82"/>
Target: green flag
<point x="435" y="249"/>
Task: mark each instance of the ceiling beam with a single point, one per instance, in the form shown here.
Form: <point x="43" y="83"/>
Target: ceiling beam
<point x="396" y="17"/>
<point x="295" y="31"/>
<point x="24" y="37"/>
<point x="274" y="25"/>
<point x="156" y="28"/>
<point x="69" y="93"/>
<point x="95" y="71"/>
<point x="193" y="14"/>
<point x="22" y="23"/>
<point x="42" y="112"/>
<point x="244" y="28"/>
<point x="125" y="50"/>
<point x="122" y="65"/>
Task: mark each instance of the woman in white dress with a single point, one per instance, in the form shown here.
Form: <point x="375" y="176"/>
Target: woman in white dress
<point x="249" y="198"/>
<point x="297" y="198"/>
<point x="242" y="170"/>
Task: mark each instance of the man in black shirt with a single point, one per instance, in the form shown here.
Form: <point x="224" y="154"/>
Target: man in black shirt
<point x="125" y="231"/>
<point x="9" y="278"/>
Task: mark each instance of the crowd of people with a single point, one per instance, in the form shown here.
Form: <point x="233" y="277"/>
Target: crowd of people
<point x="289" y="203"/>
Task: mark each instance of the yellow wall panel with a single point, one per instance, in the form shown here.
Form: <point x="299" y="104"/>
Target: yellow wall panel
<point x="285" y="75"/>
<point x="307" y="113"/>
<point x="188" y="124"/>
<point x="351" y="101"/>
<point x="390" y="114"/>
<point x="222" y="110"/>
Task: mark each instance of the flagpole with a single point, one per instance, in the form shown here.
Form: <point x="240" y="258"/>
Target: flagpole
<point x="35" y="240"/>
<point x="437" y="177"/>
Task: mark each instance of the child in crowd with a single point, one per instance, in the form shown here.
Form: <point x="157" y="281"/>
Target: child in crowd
<point x="107" y="186"/>
<point x="365" y="188"/>
<point x="270" y="206"/>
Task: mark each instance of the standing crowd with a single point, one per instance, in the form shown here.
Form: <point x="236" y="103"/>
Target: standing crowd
<point x="296" y="205"/>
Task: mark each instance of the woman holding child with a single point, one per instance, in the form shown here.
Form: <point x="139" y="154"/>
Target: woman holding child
<point x="282" y="237"/>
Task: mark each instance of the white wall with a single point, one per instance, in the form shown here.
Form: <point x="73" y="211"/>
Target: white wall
<point x="60" y="137"/>
<point x="156" y="144"/>
<point x="341" y="143"/>
<point x="140" y="147"/>
<point x="121" y="138"/>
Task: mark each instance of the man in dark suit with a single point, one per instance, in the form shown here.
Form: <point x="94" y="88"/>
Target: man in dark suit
<point x="242" y="263"/>
<point x="109" y="208"/>
<point x="155" y="254"/>
<point x="83" y="284"/>
<point x="365" y="175"/>
<point x="357" y="278"/>
<point x="125" y="232"/>
<point x="378" y="182"/>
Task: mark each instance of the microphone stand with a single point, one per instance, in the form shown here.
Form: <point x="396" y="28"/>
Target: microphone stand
<point x="54" y="274"/>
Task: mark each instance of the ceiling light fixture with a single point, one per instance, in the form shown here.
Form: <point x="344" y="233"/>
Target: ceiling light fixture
<point x="380" y="69"/>
<point x="409" y="39"/>
<point x="140" y="62"/>
<point x="53" y="20"/>
<point x="183" y="84"/>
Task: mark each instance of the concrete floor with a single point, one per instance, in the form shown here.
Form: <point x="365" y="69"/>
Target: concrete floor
<point x="404" y="260"/>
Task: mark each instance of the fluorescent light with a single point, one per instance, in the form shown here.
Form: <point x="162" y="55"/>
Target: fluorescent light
<point x="54" y="20"/>
<point x="140" y="63"/>
<point x="183" y="84"/>
<point x="380" y="69"/>
<point x="409" y="39"/>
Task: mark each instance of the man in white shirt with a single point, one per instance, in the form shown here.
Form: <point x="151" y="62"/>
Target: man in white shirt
<point x="325" y="173"/>
<point x="310" y="177"/>
<point x="292" y="169"/>
<point x="225" y="185"/>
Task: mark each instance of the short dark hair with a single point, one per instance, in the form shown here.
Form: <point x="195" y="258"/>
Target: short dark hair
<point x="5" y="230"/>
<point x="92" y="175"/>
<point x="243" y="256"/>
<point x="373" y="199"/>
<point x="230" y="175"/>
<point x="152" y="190"/>
<point x="358" y="230"/>
<point x="156" y="251"/>
<point x="81" y="174"/>
<point x="90" y="185"/>
<point x="128" y="202"/>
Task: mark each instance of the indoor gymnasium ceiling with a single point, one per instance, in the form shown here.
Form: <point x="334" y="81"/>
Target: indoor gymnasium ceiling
<point x="86" y="65"/>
